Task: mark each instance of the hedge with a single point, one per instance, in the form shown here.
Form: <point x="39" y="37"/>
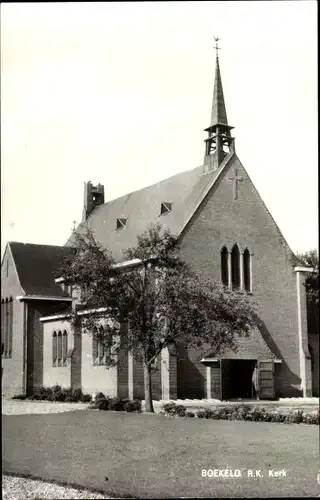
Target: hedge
<point x="245" y="412"/>
<point x="116" y="404"/>
<point x="56" y="393"/>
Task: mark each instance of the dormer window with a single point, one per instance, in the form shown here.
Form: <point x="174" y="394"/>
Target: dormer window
<point x="166" y="207"/>
<point x="121" y="223"/>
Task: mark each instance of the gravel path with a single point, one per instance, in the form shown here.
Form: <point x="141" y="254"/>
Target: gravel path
<point x="18" y="488"/>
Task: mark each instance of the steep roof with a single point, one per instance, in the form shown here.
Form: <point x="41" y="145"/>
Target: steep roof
<point x="218" y="111"/>
<point x="142" y="209"/>
<point x="38" y="266"/>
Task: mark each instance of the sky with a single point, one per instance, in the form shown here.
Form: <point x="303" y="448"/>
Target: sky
<point x="119" y="94"/>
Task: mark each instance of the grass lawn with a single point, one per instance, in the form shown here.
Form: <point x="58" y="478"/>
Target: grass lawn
<point x="156" y="456"/>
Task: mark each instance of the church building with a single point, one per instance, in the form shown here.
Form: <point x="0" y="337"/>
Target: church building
<point x="226" y="233"/>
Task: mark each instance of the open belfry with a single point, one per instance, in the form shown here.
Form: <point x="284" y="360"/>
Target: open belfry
<point x="226" y="233"/>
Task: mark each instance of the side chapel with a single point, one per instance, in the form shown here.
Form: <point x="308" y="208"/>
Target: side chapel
<point x="226" y="232"/>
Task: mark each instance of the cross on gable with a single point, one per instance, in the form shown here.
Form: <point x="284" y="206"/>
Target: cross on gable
<point x="235" y="180"/>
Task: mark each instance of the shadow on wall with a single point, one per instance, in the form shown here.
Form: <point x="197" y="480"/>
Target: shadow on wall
<point x="287" y="382"/>
<point x="191" y="380"/>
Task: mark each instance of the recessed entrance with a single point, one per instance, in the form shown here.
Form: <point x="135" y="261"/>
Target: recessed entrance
<point x="237" y="378"/>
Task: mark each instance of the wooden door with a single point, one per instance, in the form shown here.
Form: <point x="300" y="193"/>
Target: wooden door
<point x="267" y="379"/>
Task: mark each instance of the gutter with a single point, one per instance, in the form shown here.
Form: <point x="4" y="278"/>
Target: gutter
<point x="41" y="297"/>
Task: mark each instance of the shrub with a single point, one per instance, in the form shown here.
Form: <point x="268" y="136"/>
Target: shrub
<point x="35" y="397"/>
<point x="76" y="394"/>
<point x="102" y="404"/>
<point x="180" y="411"/>
<point x="85" y="398"/>
<point x="100" y="395"/>
<point x="173" y="409"/>
<point x="59" y="396"/>
<point x="56" y="388"/>
<point x="170" y="408"/>
<point x="117" y="404"/>
<point x="134" y="405"/>
<point x="201" y="414"/>
<point x="19" y="396"/>
<point x="190" y="414"/>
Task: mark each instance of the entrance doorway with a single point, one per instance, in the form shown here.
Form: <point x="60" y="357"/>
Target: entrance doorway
<point x="237" y="378"/>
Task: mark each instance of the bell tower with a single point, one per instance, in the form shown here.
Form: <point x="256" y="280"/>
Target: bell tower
<point x="93" y="196"/>
<point x="219" y="142"/>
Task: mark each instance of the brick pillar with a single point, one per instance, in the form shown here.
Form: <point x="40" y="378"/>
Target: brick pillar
<point x="304" y="355"/>
<point x="172" y="373"/>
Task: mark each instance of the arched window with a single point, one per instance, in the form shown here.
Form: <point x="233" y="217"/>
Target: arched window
<point x="246" y="270"/>
<point x="100" y="348"/>
<point x="64" y="347"/>
<point x="54" y="348"/>
<point x="235" y="267"/>
<point x="59" y="347"/>
<point x="6" y="327"/>
<point x="224" y="266"/>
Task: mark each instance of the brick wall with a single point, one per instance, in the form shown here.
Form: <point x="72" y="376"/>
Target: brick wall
<point x="12" y="378"/>
<point x="36" y="310"/>
<point x="221" y="220"/>
<point x="314" y="351"/>
<point x="138" y="379"/>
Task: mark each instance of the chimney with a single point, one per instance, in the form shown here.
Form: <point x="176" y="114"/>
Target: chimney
<point x="93" y="196"/>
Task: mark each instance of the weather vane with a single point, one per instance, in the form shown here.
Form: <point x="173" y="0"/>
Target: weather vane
<point x="216" y="39"/>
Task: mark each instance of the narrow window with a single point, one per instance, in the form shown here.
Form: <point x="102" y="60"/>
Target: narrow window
<point x="235" y="267"/>
<point x="54" y="348"/>
<point x="6" y="323"/>
<point x="224" y="266"/>
<point x="7" y="268"/>
<point x="64" y="347"/>
<point x="246" y="270"/>
<point x="94" y="349"/>
<point x="10" y="328"/>
<point x="59" y="348"/>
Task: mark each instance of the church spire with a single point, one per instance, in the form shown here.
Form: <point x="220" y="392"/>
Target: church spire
<point x="219" y="141"/>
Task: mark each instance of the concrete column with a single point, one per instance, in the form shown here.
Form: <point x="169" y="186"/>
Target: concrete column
<point x="304" y="355"/>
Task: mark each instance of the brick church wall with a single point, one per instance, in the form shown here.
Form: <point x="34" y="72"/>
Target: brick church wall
<point x="221" y="220"/>
<point x="36" y="310"/>
<point x="12" y="378"/>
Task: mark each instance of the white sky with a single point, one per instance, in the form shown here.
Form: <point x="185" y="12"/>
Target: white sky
<point x="119" y="93"/>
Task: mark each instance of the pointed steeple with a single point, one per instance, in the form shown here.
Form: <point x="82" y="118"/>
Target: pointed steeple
<point x="219" y="142"/>
<point x="218" y="111"/>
